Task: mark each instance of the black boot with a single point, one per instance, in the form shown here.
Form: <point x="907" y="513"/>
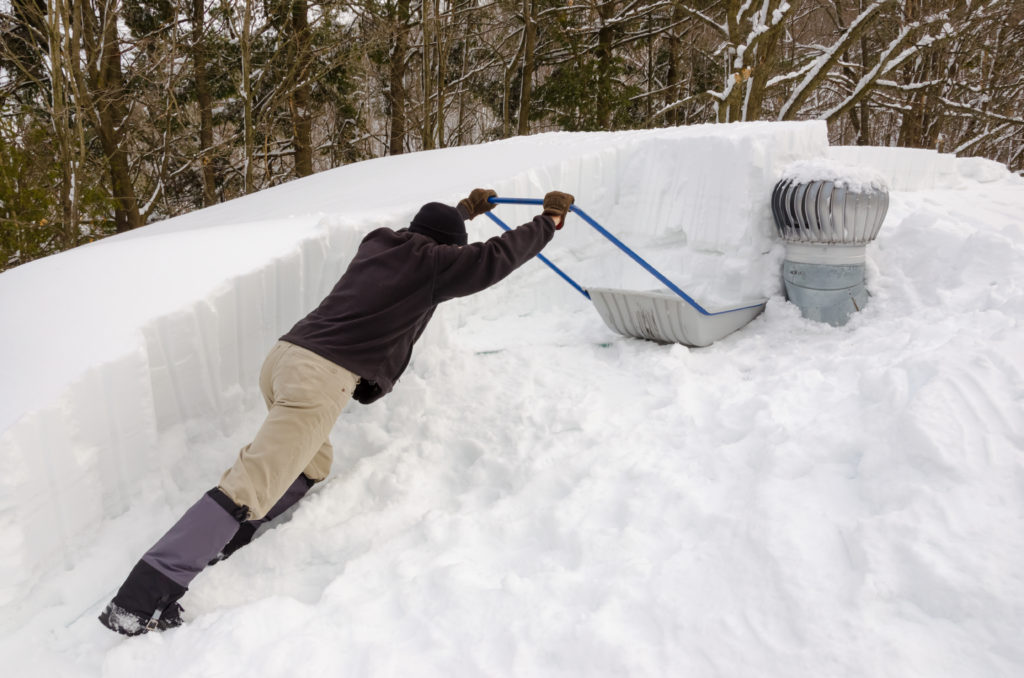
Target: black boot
<point x="148" y="599"/>
<point x="127" y="623"/>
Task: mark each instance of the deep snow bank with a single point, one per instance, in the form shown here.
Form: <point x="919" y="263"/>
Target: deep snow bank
<point x="540" y="497"/>
<point x="101" y="370"/>
<point x="907" y="169"/>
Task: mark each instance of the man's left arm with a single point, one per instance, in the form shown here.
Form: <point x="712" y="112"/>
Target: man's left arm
<point x="462" y="271"/>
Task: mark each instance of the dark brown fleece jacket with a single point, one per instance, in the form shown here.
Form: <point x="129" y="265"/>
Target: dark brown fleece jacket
<point x="381" y="305"/>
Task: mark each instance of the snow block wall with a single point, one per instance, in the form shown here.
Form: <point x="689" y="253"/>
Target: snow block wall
<point x="904" y="169"/>
<point x="119" y="358"/>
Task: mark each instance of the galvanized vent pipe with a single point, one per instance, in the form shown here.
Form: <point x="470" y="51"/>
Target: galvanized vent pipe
<point x="827" y="224"/>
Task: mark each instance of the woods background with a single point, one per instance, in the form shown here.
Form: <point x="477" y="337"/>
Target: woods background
<point x="115" y="113"/>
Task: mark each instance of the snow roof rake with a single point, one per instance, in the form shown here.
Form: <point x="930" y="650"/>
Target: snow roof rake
<point x="662" y="316"/>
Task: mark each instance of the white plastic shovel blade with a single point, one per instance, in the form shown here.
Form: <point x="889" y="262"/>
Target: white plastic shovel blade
<point x="665" y="317"/>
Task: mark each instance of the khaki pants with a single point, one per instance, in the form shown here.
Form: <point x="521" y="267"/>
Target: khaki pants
<point x="305" y="394"/>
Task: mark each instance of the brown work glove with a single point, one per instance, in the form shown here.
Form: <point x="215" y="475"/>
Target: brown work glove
<point x="556" y="205"/>
<point x="476" y="204"/>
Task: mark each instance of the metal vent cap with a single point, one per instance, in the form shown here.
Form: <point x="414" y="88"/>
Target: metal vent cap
<point x="828" y="210"/>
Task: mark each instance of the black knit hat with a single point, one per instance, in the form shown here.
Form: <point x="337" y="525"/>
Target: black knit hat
<point x="440" y="222"/>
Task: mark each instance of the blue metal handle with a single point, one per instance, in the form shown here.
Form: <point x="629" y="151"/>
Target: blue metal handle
<point x="515" y="201"/>
<point x="618" y="243"/>
<point x="638" y="259"/>
<point x="547" y="261"/>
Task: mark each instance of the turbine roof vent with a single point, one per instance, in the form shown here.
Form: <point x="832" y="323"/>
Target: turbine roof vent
<point x="824" y="203"/>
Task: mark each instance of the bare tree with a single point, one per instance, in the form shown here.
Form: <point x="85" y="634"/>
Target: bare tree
<point x="399" y="54"/>
<point x="186" y="102"/>
<point x="529" y="63"/>
<point x="204" y="98"/>
<point x="108" y="100"/>
<point x="299" y="50"/>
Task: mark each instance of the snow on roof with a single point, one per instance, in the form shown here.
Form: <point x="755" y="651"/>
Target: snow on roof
<point x="856" y="178"/>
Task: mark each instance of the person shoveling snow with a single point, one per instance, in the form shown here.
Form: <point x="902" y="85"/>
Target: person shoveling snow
<point x="356" y="344"/>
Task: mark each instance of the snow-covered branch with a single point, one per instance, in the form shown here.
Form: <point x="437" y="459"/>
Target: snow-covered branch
<point x="827" y="59"/>
<point x="721" y="29"/>
<point x="887" y="63"/>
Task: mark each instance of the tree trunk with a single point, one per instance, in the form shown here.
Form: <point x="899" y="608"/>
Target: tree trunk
<point x="58" y="21"/>
<point x="109" y="101"/>
<point x="396" y="79"/>
<point x="530" y="46"/>
<point x="506" y="115"/>
<point x="427" y="123"/>
<point x="459" y="129"/>
<point x="247" y="121"/>
<point x="674" y="76"/>
<point x="506" y="92"/>
<point x="205" y="102"/>
<point x="863" y="110"/>
<point x="760" y="71"/>
<point x="302" y="124"/>
<point x="605" y="65"/>
<point x="442" y="72"/>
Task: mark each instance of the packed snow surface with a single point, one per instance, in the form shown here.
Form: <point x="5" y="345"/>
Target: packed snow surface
<point x="539" y="496"/>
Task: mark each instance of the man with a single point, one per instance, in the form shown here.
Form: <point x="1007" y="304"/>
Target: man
<point x="356" y="344"/>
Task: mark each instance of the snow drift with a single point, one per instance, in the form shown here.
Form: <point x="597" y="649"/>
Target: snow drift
<point x="539" y="496"/>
